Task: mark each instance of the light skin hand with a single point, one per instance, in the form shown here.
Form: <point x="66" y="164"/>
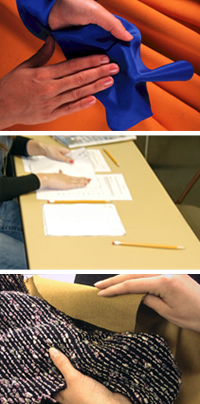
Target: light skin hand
<point x="35" y="148"/>
<point x="175" y="297"/>
<point x="81" y="389"/>
<point x="33" y="93"/>
<point x="55" y="180"/>
<point x="62" y="181"/>
<point x="65" y="13"/>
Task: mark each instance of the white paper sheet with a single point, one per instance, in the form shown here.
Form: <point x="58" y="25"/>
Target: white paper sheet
<point x="82" y="166"/>
<point x="109" y="187"/>
<point x="82" y="220"/>
<point x="98" y="162"/>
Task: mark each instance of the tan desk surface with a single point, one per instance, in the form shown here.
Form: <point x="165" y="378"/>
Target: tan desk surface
<point x="151" y="217"/>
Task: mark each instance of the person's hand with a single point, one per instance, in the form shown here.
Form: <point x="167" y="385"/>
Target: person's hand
<point x="174" y="297"/>
<point x="81" y="389"/>
<point x="55" y="152"/>
<point x="65" y="13"/>
<point x="61" y="181"/>
<point x="33" y="93"/>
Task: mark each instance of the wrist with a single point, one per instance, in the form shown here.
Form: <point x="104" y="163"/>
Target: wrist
<point x="43" y="180"/>
<point x="35" y="148"/>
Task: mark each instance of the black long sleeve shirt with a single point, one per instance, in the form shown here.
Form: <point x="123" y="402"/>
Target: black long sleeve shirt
<point x="11" y="187"/>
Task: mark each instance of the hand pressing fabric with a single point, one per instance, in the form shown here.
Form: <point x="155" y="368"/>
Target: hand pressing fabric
<point x="34" y="93"/>
<point x="82" y="389"/>
<point x="175" y="297"/>
<point x="65" y="13"/>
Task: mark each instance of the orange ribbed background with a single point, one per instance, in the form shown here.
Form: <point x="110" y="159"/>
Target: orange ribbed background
<point x="170" y="31"/>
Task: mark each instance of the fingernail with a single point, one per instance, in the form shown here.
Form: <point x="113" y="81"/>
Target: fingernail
<point x="108" y="81"/>
<point x="114" y="69"/>
<point x="71" y="161"/>
<point x="97" y="283"/>
<point x="92" y="101"/>
<point x="100" y="293"/>
<point x="104" y="59"/>
<point x="129" y="36"/>
<point x="89" y="179"/>
<point x="54" y="352"/>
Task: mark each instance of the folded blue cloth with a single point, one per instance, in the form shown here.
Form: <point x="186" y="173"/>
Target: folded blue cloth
<point x="127" y="101"/>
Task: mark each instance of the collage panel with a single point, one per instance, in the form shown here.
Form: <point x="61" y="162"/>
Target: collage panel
<point x="129" y="338"/>
<point x="99" y="202"/>
<point x="116" y="202"/>
<point x="131" y="65"/>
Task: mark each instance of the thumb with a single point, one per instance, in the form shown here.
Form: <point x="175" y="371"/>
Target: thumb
<point x="157" y="304"/>
<point x="42" y="56"/>
<point x="62" y="363"/>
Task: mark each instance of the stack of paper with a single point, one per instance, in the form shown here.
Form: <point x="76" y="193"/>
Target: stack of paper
<point x="82" y="220"/>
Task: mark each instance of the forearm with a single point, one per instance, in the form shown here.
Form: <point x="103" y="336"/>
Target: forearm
<point x="11" y="187"/>
<point x="35" y="148"/>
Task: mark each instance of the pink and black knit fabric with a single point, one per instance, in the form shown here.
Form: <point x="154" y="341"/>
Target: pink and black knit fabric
<point x="139" y="366"/>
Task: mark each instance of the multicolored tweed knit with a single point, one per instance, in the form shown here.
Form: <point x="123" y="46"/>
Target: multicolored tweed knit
<point x="140" y="366"/>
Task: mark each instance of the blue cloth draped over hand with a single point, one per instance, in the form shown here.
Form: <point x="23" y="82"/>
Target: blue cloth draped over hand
<point x="127" y="101"/>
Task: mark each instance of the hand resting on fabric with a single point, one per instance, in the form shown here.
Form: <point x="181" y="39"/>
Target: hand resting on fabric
<point x="175" y="297"/>
<point x="33" y="93"/>
<point x="82" y="389"/>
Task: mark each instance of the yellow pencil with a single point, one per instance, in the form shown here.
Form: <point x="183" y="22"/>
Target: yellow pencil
<point x="110" y="155"/>
<point x="84" y="201"/>
<point x="169" y="247"/>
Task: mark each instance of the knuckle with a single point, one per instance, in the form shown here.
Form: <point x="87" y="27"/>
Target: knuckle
<point x="76" y="94"/>
<point x="73" y="65"/>
<point x="169" y="281"/>
<point x="127" y="286"/>
<point x="80" y="79"/>
<point x="41" y="74"/>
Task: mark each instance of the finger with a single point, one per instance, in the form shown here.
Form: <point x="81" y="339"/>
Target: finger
<point x="42" y="56"/>
<point x="78" y="180"/>
<point x="119" y="279"/>
<point x="157" y="304"/>
<point x="73" y="66"/>
<point x="60" y="156"/>
<point x="135" y="286"/>
<point x="66" y="159"/>
<point x="70" y="108"/>
<point x="85" y="77"/>
<point x="82" y="92"/>
<point x="109" y="22"/>
<point x="63" y="364"/>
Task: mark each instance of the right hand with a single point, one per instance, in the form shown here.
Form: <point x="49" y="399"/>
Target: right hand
<point x="174" y="297"/>
<point x="62" y="181"/>
<point x="82" y="389"/>
<point x="33" y="93"/>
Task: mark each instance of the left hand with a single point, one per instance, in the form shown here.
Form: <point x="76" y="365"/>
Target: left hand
<point x="65" y="13"/>
<point x="82" y="389"/>
<point x="55" y="152"/>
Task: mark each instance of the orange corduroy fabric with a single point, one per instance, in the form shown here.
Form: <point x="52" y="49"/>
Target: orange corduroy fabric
<point x="170" y="31"/>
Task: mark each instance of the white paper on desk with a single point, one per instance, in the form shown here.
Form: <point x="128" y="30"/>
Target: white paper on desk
<point x="82" y="220"/>
<point x="98" y="162"/>
<point x="111" y="187"/>
<point x="82" y="166"/>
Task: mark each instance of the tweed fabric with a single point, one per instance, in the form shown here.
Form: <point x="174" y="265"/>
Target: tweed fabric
<point x="140" y="366"/>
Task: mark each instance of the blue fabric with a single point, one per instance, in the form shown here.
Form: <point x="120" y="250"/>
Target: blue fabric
<point x="127" y="101"/>
<point x="12" y="249"/>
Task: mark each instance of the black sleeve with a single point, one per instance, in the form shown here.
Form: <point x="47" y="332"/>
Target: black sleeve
<point x="11" y="187"/>
<point x="18" y="147"/>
